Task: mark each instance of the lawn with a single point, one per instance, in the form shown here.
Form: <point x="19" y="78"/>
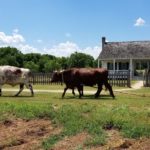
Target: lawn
<point x="129" y="113"/>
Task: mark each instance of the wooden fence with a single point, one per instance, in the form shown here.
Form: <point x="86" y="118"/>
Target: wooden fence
<point x="41" y="78"/>
<point x="119" y="78"/>
<point x="146" y="78"/>
<point x="116" y="78"/>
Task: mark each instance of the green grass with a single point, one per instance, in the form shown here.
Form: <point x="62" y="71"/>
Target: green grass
<point x="55" y="87"/>
<point x="128" y="113"/>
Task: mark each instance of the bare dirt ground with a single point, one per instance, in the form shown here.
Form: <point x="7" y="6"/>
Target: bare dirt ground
<point x="27" y="135"/>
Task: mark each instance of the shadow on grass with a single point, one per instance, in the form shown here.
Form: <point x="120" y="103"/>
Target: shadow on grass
<point x="91" y="97"/>
<point x="12" y="96"/>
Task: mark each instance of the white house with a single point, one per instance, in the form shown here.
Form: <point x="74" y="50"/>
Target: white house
<point x="131" y="55"/>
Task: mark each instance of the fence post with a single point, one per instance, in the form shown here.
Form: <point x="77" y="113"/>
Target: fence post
<point x="128" y="79"/>
<point x="146" y="77"/>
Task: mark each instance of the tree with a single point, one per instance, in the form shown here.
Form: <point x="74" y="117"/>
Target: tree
<point x="11" y="56"/>
<point x="32" y="66"/>
<point x="80" y="60"/>
<point x="51" y="66"/>
<point x="63" y="61"/>
<point x="34" y="57"/>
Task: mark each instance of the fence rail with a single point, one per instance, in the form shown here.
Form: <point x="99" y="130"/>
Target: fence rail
<point x="116" y="78"/>
<point x="146" y="79"/>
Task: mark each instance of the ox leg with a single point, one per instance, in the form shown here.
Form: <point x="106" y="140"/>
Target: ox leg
<point x="65" y="89"/>
<point x="20" y="90"/>
<point x="73" y="91"/>
<point x="80" y="94"/>
<point x="31" y="89"/>
<point x="108" y="86"/>
<point x="99" y="90"/>
<point x="0" y="92"/>
<point x="29" y="86"/>
<point x="80" y="90"/>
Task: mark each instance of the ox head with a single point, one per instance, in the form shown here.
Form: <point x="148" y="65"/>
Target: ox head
<point x="56" y="77"/>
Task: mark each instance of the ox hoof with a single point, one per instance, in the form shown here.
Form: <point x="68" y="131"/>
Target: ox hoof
<point x="96" y="96"/>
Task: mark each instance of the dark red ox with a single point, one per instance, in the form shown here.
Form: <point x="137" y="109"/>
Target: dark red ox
<point x="76" y="77"/>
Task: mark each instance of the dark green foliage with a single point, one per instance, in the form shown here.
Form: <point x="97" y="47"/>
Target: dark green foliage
<point x="81" y="60"/>
<point x="11" y="56"/>
<point x="44" y="63"/>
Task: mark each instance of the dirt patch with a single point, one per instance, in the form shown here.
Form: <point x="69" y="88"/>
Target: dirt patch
<point x="114" y="142"/>
<point x="71" y="143"/>
<point x="28" y="135"/>
<point x="21" y="134"/>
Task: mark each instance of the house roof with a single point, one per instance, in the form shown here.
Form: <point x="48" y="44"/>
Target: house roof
<point x="125" y="50"/>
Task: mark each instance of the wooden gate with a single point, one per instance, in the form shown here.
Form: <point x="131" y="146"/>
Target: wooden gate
<point x="120" y="78"/>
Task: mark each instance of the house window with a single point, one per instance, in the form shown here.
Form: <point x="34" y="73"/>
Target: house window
<point x="110" y="66"/>
<point x="123" y="65"/>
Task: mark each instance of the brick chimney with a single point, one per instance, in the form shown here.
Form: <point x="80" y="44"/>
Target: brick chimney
<point x="103" y="42"/>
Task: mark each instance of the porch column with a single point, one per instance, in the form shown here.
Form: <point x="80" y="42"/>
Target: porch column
<point x="117" y="65"/>
<point x="114" y="64"/>
<point x="131" y="68"/>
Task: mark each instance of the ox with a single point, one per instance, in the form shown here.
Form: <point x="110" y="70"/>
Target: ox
<point x="77" y="77"/>
<point x="13" y="76"/>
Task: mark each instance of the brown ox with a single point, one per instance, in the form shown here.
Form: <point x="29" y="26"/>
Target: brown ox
<point x="13" y="75"/>
<point x="76" y="77"/>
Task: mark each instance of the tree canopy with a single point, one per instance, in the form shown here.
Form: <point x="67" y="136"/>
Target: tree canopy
<point x="44" y="62"/>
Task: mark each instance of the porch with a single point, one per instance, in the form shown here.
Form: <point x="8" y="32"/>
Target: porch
<point x="136" y="66"/>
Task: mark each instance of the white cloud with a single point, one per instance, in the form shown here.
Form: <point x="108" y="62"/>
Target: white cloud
<point x="93" y="51"/>
<point x="25" y="48"/>
<point x="139" y="22"/>
<point x="60" y="49"/>
<point x="67" y="48"/>
<point x="11" y="39"/>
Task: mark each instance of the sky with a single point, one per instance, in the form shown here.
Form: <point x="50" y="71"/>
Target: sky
<point x="61" y="27"/>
